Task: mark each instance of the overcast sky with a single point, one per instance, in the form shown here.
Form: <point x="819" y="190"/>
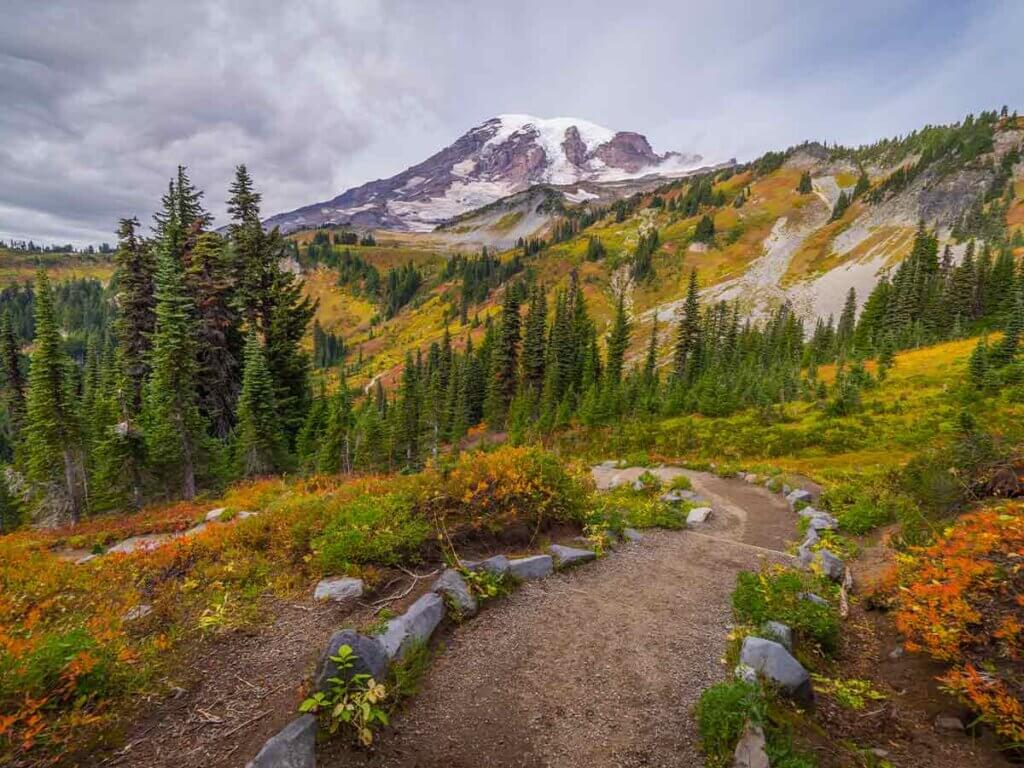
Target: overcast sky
<point x="101" y="99"/>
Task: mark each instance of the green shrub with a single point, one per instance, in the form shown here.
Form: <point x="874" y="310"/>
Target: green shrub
<point x="640" y="510"/>
<point x="722" y="711"/>
<point x="383" y="530"/>
<point x="774" y="594"/>
<point x="680" y="483"/>
<point x="650" y="482"/>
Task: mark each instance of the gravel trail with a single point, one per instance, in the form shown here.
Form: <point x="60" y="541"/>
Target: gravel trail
<point x="598" y="667"/>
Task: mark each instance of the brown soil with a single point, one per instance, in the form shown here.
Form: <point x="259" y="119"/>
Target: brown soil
<point x="598" y="667"/>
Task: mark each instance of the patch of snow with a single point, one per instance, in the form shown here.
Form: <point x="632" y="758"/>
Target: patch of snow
<point x="464" y="167"/>
<point x="415" y="181"/>
<point x="580" y="195"/>
<point x="423" y="215"/>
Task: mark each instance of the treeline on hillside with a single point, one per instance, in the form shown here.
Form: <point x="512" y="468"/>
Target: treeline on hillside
<point x="198" y="378"/>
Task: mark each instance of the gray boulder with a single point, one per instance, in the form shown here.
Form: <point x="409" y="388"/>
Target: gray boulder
<point x="805" y="555"/>
<point x="674" y="497"/>
<point x="631" y="534"/>
<point x="813" y="598"/>
<point x="530" y="568"/>
<point x="751" y="750"/>
<point x="779" y="632"/>
<point x="294" y="746"/>
<point x="811" y="538"/>
<point x="454" y="587"/>
<point x="698" y="515"/>
<point x="338" y="589"/>
<point x="566" y="557"/>
<point x="370" y="658"/>
<point x="752" y="478"/>
<point x="777" y="665"/>
<point x="786" y="490"/>
<point x="497" y="565"/>
<point x="415" y="625"/>
<point x="798" y="497"/>
<point x="832" y="566"/>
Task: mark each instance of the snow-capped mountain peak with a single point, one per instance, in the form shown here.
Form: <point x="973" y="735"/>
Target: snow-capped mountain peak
<point x="497" y="158"/>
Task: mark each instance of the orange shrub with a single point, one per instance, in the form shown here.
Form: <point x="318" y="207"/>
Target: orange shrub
<point x="961" y="600"/>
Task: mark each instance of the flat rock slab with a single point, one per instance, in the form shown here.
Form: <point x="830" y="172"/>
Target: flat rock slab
<point x="566" y="557"/>
<point x="751" y="751"/>
<point x="530" y="568"/>
<point x="497" y="565"/>
<point x="776" y="664"/>
<point x="293" y="747"/>
<point x="698" y="515"/>
<point x="452" y="586"/>
<point x="214" y="515"/>
<point x="799" y="496"/>
<point x="370" y="658"/>
<point x="338" y="589"/>
<point x="143" y="543"/>
<point x="415" y="625"/>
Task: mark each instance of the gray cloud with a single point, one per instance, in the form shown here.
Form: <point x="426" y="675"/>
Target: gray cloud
<point x="101" y="100"/>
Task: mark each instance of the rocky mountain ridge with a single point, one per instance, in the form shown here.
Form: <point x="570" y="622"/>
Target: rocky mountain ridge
<point x="501" y="157"/>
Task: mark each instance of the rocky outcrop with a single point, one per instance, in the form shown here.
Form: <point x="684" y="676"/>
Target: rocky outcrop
<point x="341" y="589"/>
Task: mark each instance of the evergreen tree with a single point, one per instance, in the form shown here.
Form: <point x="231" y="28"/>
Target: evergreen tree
<point x="688" y="340"/>
<point x="136" y="303"/>
<point x="52" y="438"/>
<point x="804" y="186"/>
<point x="260" y="445"/>
<point x="11" y="377"/>
<point x="173" y="425"/>
<point x="505" y="361"/>
<point x="847" y="323"/>
<point x="705" y="230"/>
<point x="842" y="203"/>
<point x="534" y="341"/>
<point x="618" y="342"/>
<point x="218" y="343"/>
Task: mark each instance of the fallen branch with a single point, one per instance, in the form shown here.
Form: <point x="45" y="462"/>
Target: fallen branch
<point x="239" y="727"/>
<point x="380" y="604"/>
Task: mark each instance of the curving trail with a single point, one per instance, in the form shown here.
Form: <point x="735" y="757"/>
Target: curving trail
<point x="596" y="667"/>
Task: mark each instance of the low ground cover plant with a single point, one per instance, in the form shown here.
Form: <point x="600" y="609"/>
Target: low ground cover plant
<point x="778" y="594"/>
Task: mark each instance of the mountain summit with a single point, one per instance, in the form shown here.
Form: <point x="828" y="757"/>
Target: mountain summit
<point x="500" y="157"/>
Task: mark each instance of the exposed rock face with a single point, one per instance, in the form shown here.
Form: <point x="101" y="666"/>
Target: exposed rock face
<point x="502" y="156"/>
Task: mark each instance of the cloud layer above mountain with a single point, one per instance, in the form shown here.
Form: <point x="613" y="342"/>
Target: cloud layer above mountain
<point x="101" y="100"/>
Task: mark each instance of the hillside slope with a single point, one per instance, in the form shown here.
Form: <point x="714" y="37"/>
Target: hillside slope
<point x="771" y="242"/>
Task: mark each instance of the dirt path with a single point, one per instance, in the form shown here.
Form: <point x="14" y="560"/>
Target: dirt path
<point x="597" y="667"/>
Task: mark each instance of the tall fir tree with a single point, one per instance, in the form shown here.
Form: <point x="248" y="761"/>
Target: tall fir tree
<point x="260" y="445"/>
<point x="12" y="380"/>
<point x="52" y="432"/>
<point x="136" y="306"/>
<point x="173" y="426"/>
<point x="688" y="350"/>
<point x="618" y="342"/>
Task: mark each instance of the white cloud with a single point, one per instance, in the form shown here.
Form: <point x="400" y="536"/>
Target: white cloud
<point x="101" y="100"/>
